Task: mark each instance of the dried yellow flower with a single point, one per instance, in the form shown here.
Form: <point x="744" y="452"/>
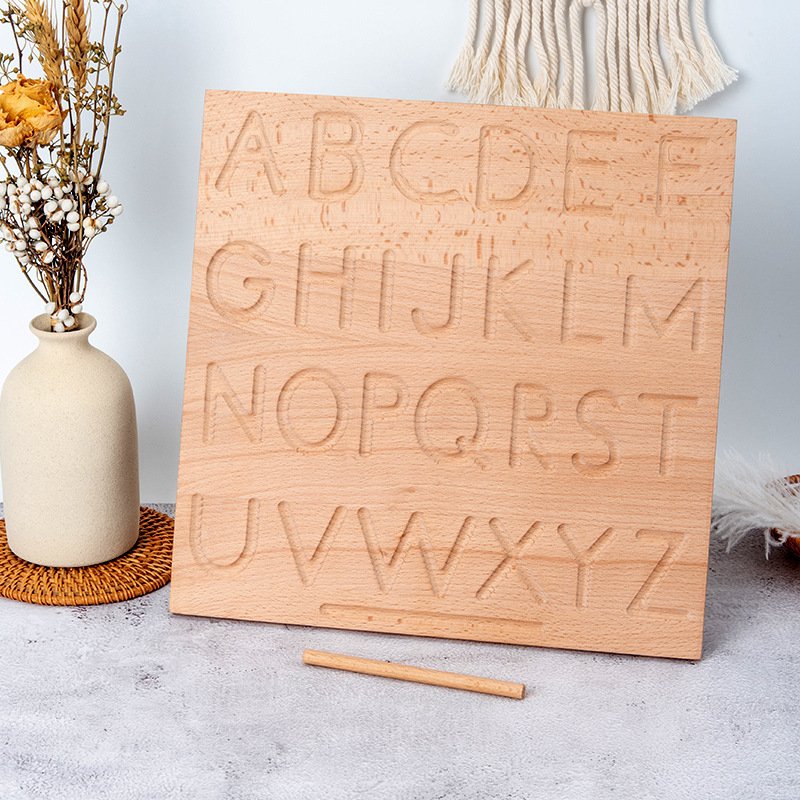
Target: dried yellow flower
<point x="29" y="113"/>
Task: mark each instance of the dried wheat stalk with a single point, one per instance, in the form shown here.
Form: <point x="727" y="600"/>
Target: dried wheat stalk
<point x="50" y="54"/>
<point x="78" y="33"/>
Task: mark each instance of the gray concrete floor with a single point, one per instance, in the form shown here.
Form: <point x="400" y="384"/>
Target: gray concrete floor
<point x="126" y="701"/>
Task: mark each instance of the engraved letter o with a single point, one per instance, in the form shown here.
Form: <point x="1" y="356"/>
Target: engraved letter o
<point x="290" y="433"/>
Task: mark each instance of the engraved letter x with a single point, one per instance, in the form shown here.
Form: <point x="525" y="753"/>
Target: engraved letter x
<point x="510" y="562"/>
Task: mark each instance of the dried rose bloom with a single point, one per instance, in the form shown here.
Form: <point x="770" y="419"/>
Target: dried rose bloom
<point x="29" y="113"/>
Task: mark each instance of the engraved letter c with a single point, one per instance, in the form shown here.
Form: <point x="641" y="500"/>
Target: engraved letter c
<point x="396" y="163"/>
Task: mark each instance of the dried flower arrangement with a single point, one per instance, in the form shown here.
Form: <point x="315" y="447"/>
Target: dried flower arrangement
<point x="53" y="137"/>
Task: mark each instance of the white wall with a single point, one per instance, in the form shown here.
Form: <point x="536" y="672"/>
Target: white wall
<point x="175" y="49"/>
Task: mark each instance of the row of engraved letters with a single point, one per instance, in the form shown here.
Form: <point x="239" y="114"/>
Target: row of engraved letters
<point x="338" y="169"/>
<point x="386" y="405"/>
<point x="641" y="318"/>
<point x="513" y="562"/>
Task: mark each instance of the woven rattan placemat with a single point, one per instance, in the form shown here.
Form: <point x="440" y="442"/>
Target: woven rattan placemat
<point x="143" y="569"/>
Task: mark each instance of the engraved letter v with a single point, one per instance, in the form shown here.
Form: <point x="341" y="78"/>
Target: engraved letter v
<point x="308" y="567"/>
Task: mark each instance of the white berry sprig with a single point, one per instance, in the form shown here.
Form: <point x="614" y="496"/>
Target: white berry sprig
<point x="41" y="221"/>
<point x="63" y="319"/>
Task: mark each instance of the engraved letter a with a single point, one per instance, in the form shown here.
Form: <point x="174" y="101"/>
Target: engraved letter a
<point x="251" y="151"/>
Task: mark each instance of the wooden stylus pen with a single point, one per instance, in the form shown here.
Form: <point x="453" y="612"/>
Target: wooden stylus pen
<point x="434" y="677"/>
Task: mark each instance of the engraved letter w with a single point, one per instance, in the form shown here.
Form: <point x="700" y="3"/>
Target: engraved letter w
<point x="415" y="532"/>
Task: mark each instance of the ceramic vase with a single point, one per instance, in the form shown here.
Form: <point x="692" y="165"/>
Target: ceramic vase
<point x="69" y="452"/>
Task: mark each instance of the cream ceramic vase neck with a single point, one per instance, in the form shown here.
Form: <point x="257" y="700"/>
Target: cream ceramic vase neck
<point x="68" y="452"/>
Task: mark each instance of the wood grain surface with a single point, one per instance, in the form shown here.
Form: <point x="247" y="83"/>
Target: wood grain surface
<point x="453" y="370"/>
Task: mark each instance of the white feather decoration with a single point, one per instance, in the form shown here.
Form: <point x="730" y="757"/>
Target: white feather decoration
<point x="754" y="497"/>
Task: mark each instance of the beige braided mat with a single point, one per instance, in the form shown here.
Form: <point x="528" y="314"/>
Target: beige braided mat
<point x="143" y="569"/>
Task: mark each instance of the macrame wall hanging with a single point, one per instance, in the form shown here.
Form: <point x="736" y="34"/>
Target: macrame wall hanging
<point x="650" y="56"/>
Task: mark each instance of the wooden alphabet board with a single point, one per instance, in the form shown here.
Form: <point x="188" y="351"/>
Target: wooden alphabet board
<point x="453" y="371"/>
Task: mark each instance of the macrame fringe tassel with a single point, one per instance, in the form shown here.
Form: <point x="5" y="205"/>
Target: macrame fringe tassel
<point x="461" y="74"/>
<point x="651" y="56"/>
<point x="718" y="74"/>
